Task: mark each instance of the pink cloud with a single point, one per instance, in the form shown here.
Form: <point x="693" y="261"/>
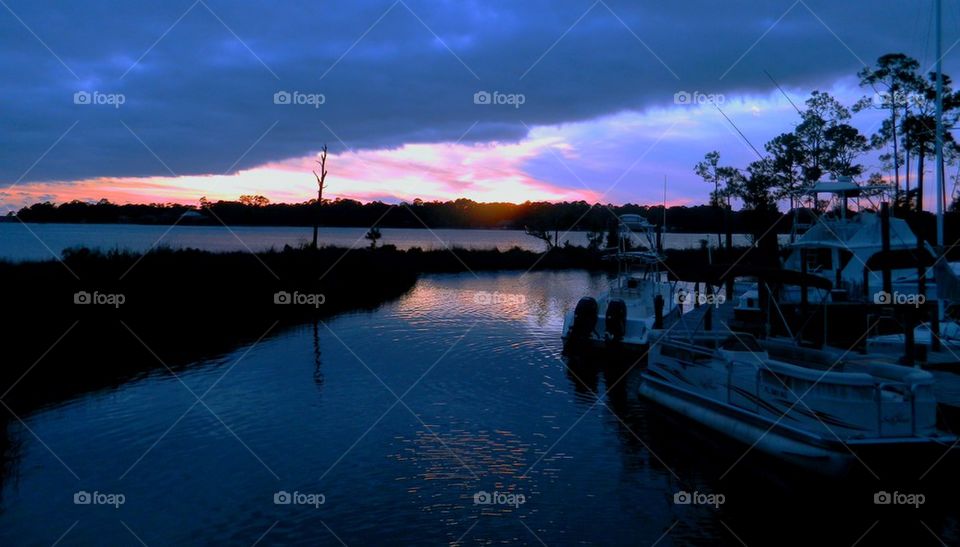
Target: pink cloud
<point x="481" y="172"/>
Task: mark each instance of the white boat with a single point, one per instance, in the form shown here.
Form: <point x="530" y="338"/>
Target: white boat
<point x="840" y="246"/>
<point x="626" y="315"/>
<point x="948" y="292"/>
<point x="797" y="404"/>
<point x="893" y="344"/>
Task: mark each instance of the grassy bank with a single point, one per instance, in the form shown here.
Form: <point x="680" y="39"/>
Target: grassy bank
<point x="109" y="317"/>
<point x="103" y="318"/>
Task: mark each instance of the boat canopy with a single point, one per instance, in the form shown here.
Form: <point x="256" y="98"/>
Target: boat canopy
<point x="843" y="187"/>
<point x="635" y="222"/>
<point x="859" y="232"/>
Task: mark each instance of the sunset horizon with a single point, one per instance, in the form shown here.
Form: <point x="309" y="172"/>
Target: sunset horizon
<point x="479" y="272"/>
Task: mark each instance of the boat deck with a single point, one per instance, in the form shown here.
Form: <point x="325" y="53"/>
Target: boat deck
<point x="692" y="321"/>
<point x="944" y="365"/>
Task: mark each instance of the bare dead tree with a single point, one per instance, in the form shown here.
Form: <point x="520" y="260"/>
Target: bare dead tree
<point x="544" y="235"/>
<point x="321" y="179"/>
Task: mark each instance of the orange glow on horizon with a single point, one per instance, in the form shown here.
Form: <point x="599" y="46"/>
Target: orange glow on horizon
<point x="480" y="172"/>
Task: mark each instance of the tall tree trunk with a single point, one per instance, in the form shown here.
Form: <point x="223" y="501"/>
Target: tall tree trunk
<point x="316" y="217"/>
<point x="321" y="179"/>
<point x="896" y="155"/>
<point x="920" y="178"/>
<point x="906" y="153"/>
<point x="717" y="208"/>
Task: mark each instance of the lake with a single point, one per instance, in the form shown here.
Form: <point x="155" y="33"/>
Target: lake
<point x="434" y="420"/>
<point x="42" y="241"/>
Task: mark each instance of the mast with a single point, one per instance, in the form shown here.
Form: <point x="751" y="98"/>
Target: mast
<point x="935" y="327"/>
<point x="939" y="114"/>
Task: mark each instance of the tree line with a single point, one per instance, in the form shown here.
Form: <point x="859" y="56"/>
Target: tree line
<point x="824" y="143"/>
<point x="461" y="213"/>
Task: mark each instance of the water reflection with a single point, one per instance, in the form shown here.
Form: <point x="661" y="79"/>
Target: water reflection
<point x="317" y="370"/>
<point x="403" y="418"/>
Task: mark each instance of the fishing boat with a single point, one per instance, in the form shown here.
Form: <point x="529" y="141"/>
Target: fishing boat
<point x="641" y="299"/>
<point x="844" y="246"/>
<point x="801" y="405"/>
<point x="947" y="335"/>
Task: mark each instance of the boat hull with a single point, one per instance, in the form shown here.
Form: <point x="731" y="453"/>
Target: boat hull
<point x="821" y="455"/>
<point x="751" y="430"/>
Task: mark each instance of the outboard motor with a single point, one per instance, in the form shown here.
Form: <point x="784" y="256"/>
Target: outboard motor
<point x="584" y="318"/>
<point x="616" y="319"/>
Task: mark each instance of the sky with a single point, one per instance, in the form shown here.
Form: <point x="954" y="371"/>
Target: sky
<point x="601" y="100"/>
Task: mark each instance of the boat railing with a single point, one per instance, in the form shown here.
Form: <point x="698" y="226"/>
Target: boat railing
<point x="892" y="392"/>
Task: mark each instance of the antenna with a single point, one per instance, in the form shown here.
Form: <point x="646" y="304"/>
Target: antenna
<point x="663" y="216"/>
<point x="939" y="139"/>
<point x="742" y="136"/>
<point x="787" y="97"/>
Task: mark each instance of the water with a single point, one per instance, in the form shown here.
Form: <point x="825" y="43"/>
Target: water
<point x="42" y="241"/>
<point x="488" y="403"/>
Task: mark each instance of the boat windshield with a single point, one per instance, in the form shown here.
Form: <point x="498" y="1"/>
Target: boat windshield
<point x="741" y="342"/>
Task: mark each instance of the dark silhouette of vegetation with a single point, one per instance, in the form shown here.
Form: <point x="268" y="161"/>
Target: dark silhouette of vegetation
<point x="900" y="87"/>
<point x="373" y="235"/>
<point x="724" y="180"/>
<point x="824" y="144"/>
<point x="892" y="79"/>
<point x="552" y="218"/>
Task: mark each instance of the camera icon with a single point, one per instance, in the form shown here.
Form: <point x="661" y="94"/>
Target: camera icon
<point x="682" y="97"/>
<point x="282" y="498"/>
<point x="882" y="297"/>
<point x="82" y="498"/>
<point x="482" y="498"/>
<point x="882" y="498"/>
<point x="82" y="97"/>
<point x="482" y="97"/>
<point x="82" y="297"/>
<point x="282" y="297"/>
<point x="282" y="97"/>
<point x="682" y="498"/>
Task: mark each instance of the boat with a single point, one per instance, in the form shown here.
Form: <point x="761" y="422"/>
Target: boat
<point x="861" y="256"/>
<point x="843" y="246"/>
<point x="801" y="405"/>
<point x="947" y="337"/>
<point x="640" y="301"/>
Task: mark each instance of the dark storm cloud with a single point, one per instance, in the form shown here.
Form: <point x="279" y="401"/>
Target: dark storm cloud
<point x="199" y="79"/>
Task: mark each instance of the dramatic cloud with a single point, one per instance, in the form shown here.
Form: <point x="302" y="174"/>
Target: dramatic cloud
<point x="197" y="81"/>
